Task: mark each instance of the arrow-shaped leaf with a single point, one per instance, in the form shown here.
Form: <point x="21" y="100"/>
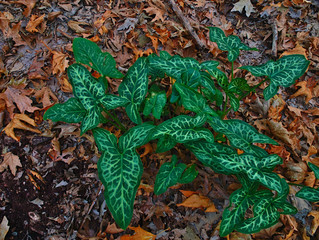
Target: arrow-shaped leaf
<point x="283" y="72"/>
<point x="134" y="88"/>
<point x="211" y="67"/>
<point x="240" y="134"/>
<point x="89" y="53"/>
<point x="231" y="44"/>
<point x="155" y="102"/>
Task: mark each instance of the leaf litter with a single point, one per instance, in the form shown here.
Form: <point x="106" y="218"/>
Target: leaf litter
<point x="128" y="30"/>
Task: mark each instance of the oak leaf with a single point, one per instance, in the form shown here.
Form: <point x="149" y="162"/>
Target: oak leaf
<point x="239" y="6"/>
<point x="20" y="121"/>
<point x="12" y="161"/>
<point x="19" y="97"/>
<point x="44" y="96"/>
<point x="140" y="234"/>
<point x="34" y="22"/>
<point x="154" y="10"/>
<point x="59" y="62"/>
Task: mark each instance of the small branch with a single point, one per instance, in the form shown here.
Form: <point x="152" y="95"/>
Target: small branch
<point x="186" y="24"/>
<point x="274" y="37"/>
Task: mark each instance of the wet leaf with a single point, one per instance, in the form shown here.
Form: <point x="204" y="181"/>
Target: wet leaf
<point x="12" y="161"/>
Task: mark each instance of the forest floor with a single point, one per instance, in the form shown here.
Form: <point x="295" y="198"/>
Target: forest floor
<point x="49" y="187"/>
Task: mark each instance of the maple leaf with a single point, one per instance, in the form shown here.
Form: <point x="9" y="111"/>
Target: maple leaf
<point x="140" y="234"/>
<point x="20" y="121"/>
<point x="44" y="96"/>
<point x="154" y="10"/>
<point x="18" y="96"/>
<point x="12" y="161"/>
<point x="239" y="6"/>
<point x="34" y="22"/>
<point x="59" y="62"/>
<point x="303" y="90"/>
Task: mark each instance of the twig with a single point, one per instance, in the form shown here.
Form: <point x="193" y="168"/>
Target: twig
<point x="274" y="37"/>
<point x="186" y="23"/>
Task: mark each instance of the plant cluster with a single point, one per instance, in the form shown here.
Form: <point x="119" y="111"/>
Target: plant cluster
<point x="208" y="94"/>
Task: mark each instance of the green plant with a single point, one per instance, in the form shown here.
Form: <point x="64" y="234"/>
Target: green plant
<point x="199" y="88"/>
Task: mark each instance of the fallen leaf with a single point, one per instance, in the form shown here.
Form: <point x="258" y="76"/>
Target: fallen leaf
<point x="53" y="15"/>
<point x="158" y="12"/>
<point x="106" y="15"/>
<point x="304" y="90"/>
<point x="280" y="151"/>
<point x="211" y="208"/>
<point x="276" y="107"/>
<point x="315" y="222"/>
<point x="36" y="70"/>
<point x="239" y="6"/>
<point x="34" y="22"/>
<point x="296" y="172"/>
<point x="44" y="96"/>
<point x="113" y="229"/>
<point x="59" y="62"/>
<point x="29" y="6"/>
<point x="20" y="121"/>
<point x="76" y="26"/>
<point x="188" y="193"/>
<point x="154" y="41"/>
<point x="65" y="85"/>
<point x="196" y="201"/>
<point x="12" y="161"/>
<point x="19" y="97"/>
<point x="297" y="50"/>
<point x="140" y="234"/>
<point x="8" y="31"/>
<point x="146" y="149"/>
<point x="4" y="228"/>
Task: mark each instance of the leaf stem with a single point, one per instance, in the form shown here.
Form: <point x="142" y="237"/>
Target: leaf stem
<point x="116" y="122"/>
<point x="232" y="71"/>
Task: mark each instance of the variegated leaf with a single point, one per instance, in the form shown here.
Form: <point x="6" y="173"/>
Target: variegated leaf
<point x="283" y="72"/>
<point x="134" y="88"/>
<point x="91" y="119"/>
<point x="315" y="169"/>
<point x="71" y="111"/>
<point x="155" y="102"/>
<point x="211" y="67"/>
<point x="188" y="175"/>
<point x="89" y="53"/>
<point x="193" y="100"/>
<point x="168" y="175"/>
<point x="240" y="134"/>
<point x="231" y="44"/>
<point x="309" y="193"/>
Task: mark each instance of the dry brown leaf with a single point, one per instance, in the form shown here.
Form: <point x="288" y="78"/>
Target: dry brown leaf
<point x="296" y="172"/>
<point x="276" y="107"/>
<point x="34" y="22"/>
<point x="140" y="234"/>
<point x="196" y="201"/>
<point x="315" y="222"/>
<point x="280" y="151"/>
<point x="44" y="96"/>
<point x="76" y="26"/>
<point x="65" y="85"/>
<point x="36" y="70"/>
<point x="53" y="15"/>
<point x="297" y="50"/>
<point x="158" y="12"/>
<point x="304" y="90"/>
<point x="8" y="32"/>
<point x="12" y="161"/>
<point x="20" y="121"/>
<point x="19" y="97"/>
<point x="296" y="111"/>
<point x="59" y="62"/>
<point x="188" y="193"/>
<point x="106" y="15"/>
<point x="113" y="229"/>
<point x="29" y="6"/>
<point x="211" y="208"/>
<point x="240" y="5"/>
<point x="4" y="227"/>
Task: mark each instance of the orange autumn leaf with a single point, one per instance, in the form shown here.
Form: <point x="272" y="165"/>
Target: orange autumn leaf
<point x="140" y="234"/>
<point x="12" y="161"/>
<point x="211" y="208"/>
<point x="113" y="229"/>
<point x="196" y="201"/>
<point x="304" y="90"/>
<point x="297" y="50"/>
<point x="20" y="121"/>
<point x="147" y="148"/>
<point x="65" y="85"/>
<point x="59" y="62"/>
<point x="188" y="193"/>
<point x="315" y="222"/>
<point x="34" y="22"/>
<point x="29" y="4"/>
<point x="154" y="41"/>
<point x="10" y="32"/>
<point x="276" y="107"/>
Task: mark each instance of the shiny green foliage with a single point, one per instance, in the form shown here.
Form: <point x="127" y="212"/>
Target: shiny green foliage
<point x="231" y="44"/>
<point x="283" y="72"/>
<point x="209" y="94"/>
<point x="171" y="173"/>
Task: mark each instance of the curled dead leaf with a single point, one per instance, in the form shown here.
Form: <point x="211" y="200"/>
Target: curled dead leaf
<point x="76" y="26"/>
<point x="35" y="21"/>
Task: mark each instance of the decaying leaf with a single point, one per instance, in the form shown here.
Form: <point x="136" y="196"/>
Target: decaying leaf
<point x="196" y="201"/>
<point x="304" y="90"/>
<point x="12" y="161"/>
<point x="59" y="62"/>
<point x="29" y="4"/>
<point x="140" y="234"/>
<point x="76" y="26"/>
<point x="8" y="31"/>
<point x="315" y="222"/>
<point x="239" y="6"/>
<point x="34" y="22"/>
<point x="4" y="227"/>
<point x="44" y="96"/>
<point x="20" y="121"/>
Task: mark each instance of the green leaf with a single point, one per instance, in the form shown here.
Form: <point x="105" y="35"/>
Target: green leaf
<point x="211" y="67"/>
<point x="193" y="100"/>
<point x="231" y="44"/>
<point x="287" y="208"/>
<point x="71" y="111"/>
<point x="136" y="136"/>
<point x="191" y="77"/>
<point x="234" y="101"/>
<point x="240" y="134"/>
<point x="207" y="82"/>
<point x="165" y="143"/>
<point x="110" y="101"/>
<point x="314" y="168"/>
<point x="238" y="86"/>
<point x="283" y="72"/>
<point x="188" y="175"/>
<point x="265" y="215"/>
<point x="168" y="175"/>
<point x="91" y="119"/>
<point x="308" y="193"/>
<point x="120" y="171"/>
<point x="155" y="102"/>
<point x="183" y="129"/>
<point x="134" y="88"/>
<point x="89" y="53"/>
